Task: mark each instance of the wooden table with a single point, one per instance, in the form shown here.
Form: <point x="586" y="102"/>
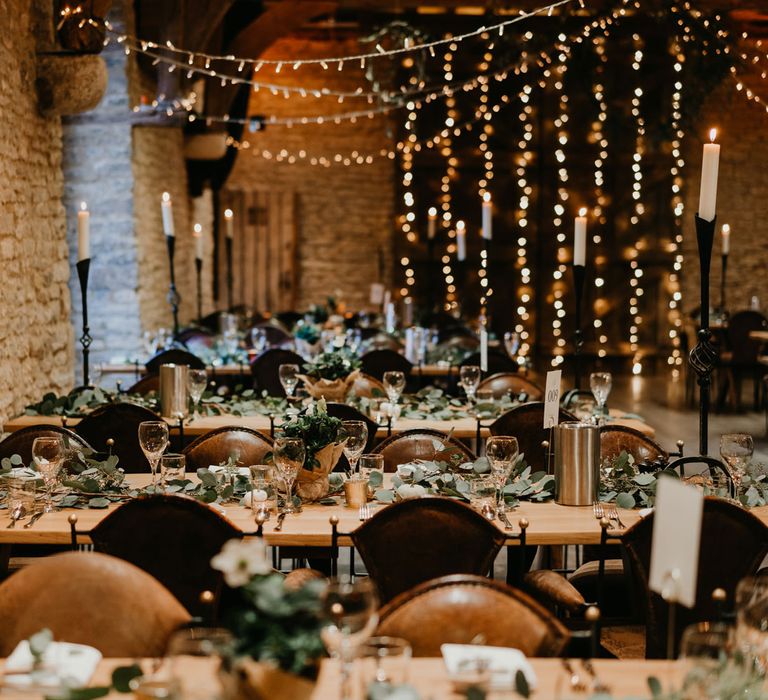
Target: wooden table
<point x="759" y="335"/>
<point x="462" y="427"/>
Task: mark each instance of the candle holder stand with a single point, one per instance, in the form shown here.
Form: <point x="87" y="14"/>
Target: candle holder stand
<point x="173" y="296"/>
<point x="199" y="276"/>
<point x="83" y="268"/>
<point x="703" y="356"/>
<point x="230" y="278"/>
<point x="579" y="273"/>
<point x="724" y="268"/>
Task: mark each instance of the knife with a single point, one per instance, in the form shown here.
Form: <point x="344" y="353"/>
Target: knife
<point x="507" y="524"/>
<point x="34" y="519"/>
<point x="280" y="519"/>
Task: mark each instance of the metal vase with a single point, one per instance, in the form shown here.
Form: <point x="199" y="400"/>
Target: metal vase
<point x="173" y="391"/>
<point x="577" y="463"/>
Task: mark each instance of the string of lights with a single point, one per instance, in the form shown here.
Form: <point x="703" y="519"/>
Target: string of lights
<point x="446" y="217"/>
<point x="483" y="185"/>
<point x="408" y="218"/>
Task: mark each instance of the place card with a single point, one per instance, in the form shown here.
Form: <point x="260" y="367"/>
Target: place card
<point x="483" y="350"/>
<point x="552" y="398"/>
<point x="377" y="293"/>
<point x="676" y="537"/>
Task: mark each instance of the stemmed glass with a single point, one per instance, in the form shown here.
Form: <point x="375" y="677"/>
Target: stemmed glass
<point x="354" y="339"/>
<point x="394" y="383"/>
<point x="289" y="378"/>
<point x="153" y="439"/>
<point x="501" y="451"/>
<point x="259" y="340"/>
<point x="469" y="376"/>
<point x="512" y="343"/>
<point x="355" y="434"/>
<point x="600" y="384"/>
<point x="48" y="455"/>
<point x="197" y="381"/>
<point x="289" y="454"/>
<point x="736" y="449"/>
<point x="350" y="617"/>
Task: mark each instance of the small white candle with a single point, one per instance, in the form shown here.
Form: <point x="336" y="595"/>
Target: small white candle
<point x="431" y="223"/>
<point x="726" y="240"/>
<point x="461" y="241"/>
<point x="580" y="238"/>
<point x="228" y="218"/>
<point x="483" y="348"/>
<point x="387" y="297"/>
<point x="83" y="233"/>
<point x="167" y="209"/>
<point x="487" y="217"/>
<point x="198" y="236"/>
<point x="709" y="166"/>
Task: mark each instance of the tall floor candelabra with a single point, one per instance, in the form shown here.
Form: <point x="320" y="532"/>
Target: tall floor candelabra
<point x="173" y="296"/>
<point x="230" y="277"/>
<point x="83" y="268"/>
<point x="579" y="273"/>
<point x="724" y="260"/>
<point x="199" y="276"/>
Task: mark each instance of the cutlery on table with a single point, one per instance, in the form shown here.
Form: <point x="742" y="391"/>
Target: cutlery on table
<point x="598" y="510"/>
<point x="17" y="514"/>
<point x="574" y="679"/>
<point x="503" y="517"/>
<point x="597" y="685"/>
<point x="34" y="518"/>
<point x="364" y="512"/>
<point x="280" y="519"/>
<point x="613" y="514"/>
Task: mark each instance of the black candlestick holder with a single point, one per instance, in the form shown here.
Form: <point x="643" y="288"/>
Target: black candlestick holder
<point x="230" y="277"/>
<point x="199" y="275"/>
<point x="83" y="267"/>
<point x="579" y="273"/>
<point x="703" y="356"/>
<point x="173" y="296"/>
<point x="724" y="259"/>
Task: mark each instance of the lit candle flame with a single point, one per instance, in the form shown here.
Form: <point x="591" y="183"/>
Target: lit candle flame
<point x="712" y="135"/>
<point x="83" y="206"/>
<point x="460" y="225"/>
<point x="228" y="214"/>
<point x="726" y="229"/>
<point x="166" y="197"/>
<point x="583" y="211"/>
<point x="432" y="212"/>
<point x="487" y="197"/>
<point x="198" y="230"/>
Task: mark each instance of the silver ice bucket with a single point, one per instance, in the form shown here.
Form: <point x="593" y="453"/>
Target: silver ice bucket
<point x="577" y="463"/>
<point x="173" y="391"/>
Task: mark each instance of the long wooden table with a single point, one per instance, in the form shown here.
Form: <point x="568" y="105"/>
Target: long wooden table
<point x="759" y="335"/>
<point x="462" y="427"/>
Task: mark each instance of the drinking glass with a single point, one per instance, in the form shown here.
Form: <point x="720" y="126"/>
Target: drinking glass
<point x="289" y="454"/>
<point x="354" y="339"/>
<point x="376" y="411"/>
<point x="511" y="343"/>
<point x="383" y="661"/>
<point x="289" y="378"/>
<point x="736" y="449"/>
<point x="355" y="433"/>
<point x="371" y="463"/>
<point x="751" y="634"/>
<point x="501" y="451"/>
<point x="259" y="340"/>
<point x="172" y="466"/>
<point x="349" y="619"/>
<point x="706" y="645"/>
<point x="22" y="490"/>
<point x="262" y="489"/>
<point x="482" y="495"/>
<point x="394" y="383"/>
<point x="48" y="455"/>
<point x="153" y="439"/>
<point x="600" y="384"/>
<point x="185" y="649"/>
<point x="197" y="381"/>
<point x="469" y="376"/>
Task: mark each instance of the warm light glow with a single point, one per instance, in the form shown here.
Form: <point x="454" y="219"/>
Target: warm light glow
<point x="460" y="225"/>
<point x="197" y="230"/>
<point x="487" y="197"/>
<point x="432" y="212"/>
<point x="166" y="197"/>
<point x="228" y="214"/>
<point x="712" y="135"/>
<point x="84" y="207"/>
<point x="583" y="211"/>
<point x="726" y="229"/>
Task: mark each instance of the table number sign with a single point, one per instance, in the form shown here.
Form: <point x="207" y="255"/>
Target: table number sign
<point x="377" y="294"/>
<point x="675" y="543"/>
<point x="552" y="398"/>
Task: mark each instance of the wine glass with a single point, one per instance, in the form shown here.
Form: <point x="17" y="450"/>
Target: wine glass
<point x="289" y="454"/>
<point x="736" y="449"/>
<point x="512" y="343"/>
<point x="600" y="384"/>
<point x="259" y="340"/>
<point x="501" y="451"/>
<point x="469" y="376"/>
<point x="394" y="383"/>
<point x="289" y="378"/>
<point x="153" y="439"/>
<point x="350" y="617"/>
<point x="197" y="381"/>
<point x="354" y="339"/>
<point x="751" y="634"/>
<point x="355" y="433"/>
<point x="705" y="645"/>
<point x="48" y="455"/>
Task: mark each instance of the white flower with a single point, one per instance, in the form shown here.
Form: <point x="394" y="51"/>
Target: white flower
<point x="241" y="560"/>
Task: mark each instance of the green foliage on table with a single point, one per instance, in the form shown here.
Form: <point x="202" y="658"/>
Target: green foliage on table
<point x="308" y="332"/>
<point x="75" y="403"/>
<point x="447" y="354"/>
<point x="337" y="364"/>
<point x="315" y="427"/>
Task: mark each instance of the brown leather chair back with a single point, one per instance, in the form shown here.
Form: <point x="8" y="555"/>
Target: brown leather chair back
<point x="174" y="356"/>
<point x="497" y="362"/>
<point x="344" y="411"/>
<point x="456" y="609"/>
<point x="217" y="446"/>
<point x="173" y="538"/>
<point x="20" y="441"/>
<point x="422" y="443"/>
<point x="744" y="349"/>
<point x="376" y="362"/>
<point x="146" y="385"/>
<point x="119" y="421"/>
<point x="733" y="544"/>
<point x="367" y="387"/>
<point x="615" y="439"/>
<point x="505" y="383"/>
<point x="266" y="366"/>
<point x="89" y="598"/>
<point x="416" y="540"/>
<point x="526" y="422"/>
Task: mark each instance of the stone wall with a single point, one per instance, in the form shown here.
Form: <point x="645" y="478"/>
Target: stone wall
<point x="344" y="213"/>
<point x="35" y="331"/>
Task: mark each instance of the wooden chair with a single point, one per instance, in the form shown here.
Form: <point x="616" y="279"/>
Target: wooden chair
<point x="615" y="439"/>
<point x="456" y="609"/>
<point x="266" y="366"/>
<point x="20" y="441"/>
<point x="416" y="540"/>
<point x="376" y="362"/>
<point x="217" y="446"/>
<point x="173" y="538"/>
<point x="504" y="383"/>
<point x="422" y="443"/>
<point x="742" y="356"/>
<point x="93" y="599"/>
<point x="119" y="422"/>
<point x="174" y="356"/>
<point x="498" y="362"/>
<point x="525" y="423"/>
<point x="146" y="385"/>
<point x="343" y="412"/>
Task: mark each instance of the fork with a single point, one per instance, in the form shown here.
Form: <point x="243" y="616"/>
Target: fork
<point x="17" y="514"/>
<point x="577" y="685"/>
<point x="504" y="519"/>
<point x="597" y="509"/>
<point x="597" y="685"/>
<point x="364" y="512"/>
<point x="613" y="514"/>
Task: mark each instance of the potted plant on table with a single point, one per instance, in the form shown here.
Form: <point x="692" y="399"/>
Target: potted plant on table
<point x="331" y="375"/>
<point x="319" y="431"/>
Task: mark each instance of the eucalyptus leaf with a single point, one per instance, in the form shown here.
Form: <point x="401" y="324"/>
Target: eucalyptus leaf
<point x="625" y="500"/>
<point x="123" y="675"/>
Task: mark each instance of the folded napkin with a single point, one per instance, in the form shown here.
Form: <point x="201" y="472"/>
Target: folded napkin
<point x="503" y="663"/>
<point x="64" y="665"/>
